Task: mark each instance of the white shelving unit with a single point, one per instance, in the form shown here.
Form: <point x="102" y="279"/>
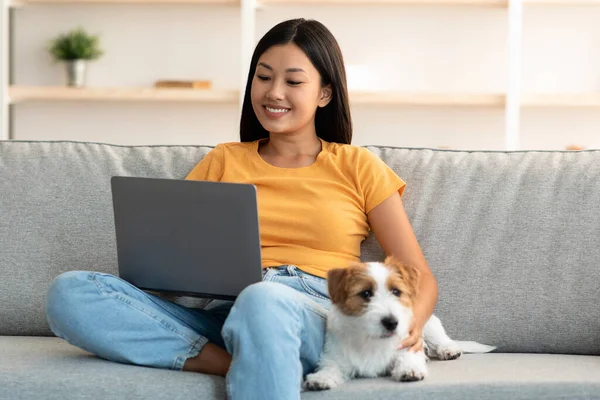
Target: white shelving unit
<point x="513" y="91"/>
<point x="4" y="71"/>
<point x="512" y="101"/>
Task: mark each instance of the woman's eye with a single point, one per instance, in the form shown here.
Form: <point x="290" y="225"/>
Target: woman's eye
<point x="366" y="294"/>
<point x="396" y="292"/>
<point x="262" y="78"/>
<point x="294" y="83"/>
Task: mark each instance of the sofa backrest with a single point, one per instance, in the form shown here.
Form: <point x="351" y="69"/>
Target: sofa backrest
<point x="512" y="237"/>
<point x="56" y="215"/>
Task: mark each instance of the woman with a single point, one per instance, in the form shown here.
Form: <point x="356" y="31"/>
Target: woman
<point x="318" y="197"/>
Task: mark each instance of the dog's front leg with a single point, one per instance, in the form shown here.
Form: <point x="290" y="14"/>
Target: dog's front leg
<point x="326" y="377"/>
<point x="409" y="366"/>
<point x="438" y="344"/>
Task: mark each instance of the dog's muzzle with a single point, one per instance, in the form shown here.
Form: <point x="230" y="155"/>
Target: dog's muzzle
<point x="389" y="323"/>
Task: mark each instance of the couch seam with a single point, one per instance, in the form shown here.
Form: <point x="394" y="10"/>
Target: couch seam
<point x="507" y="152"/>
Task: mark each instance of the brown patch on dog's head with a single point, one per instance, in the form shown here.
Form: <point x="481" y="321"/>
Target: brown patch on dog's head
<point x="350" y="288"/>
<point x="404" y="278"/>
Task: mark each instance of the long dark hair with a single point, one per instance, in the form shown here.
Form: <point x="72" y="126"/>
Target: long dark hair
<point x="332" y="122"/>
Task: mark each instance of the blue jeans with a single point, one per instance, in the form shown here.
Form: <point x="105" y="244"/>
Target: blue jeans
<point x="275" y="330"/>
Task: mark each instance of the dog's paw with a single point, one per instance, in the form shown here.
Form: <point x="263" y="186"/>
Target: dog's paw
<point x="320" y="381"/>
<point x="409" y="374"/>
<point x="410" y="367"/>
<point x="446" y="351"/>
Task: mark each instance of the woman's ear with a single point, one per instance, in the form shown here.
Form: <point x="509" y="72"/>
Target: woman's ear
<point x="325" y="95"/>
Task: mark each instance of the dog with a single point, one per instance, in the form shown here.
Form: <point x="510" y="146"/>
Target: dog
<point x="371" y="314"/>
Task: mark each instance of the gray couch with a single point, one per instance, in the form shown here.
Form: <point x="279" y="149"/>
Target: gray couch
<point x="513" y="238"/>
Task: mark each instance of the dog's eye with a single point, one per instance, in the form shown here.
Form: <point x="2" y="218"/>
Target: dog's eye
<point x="366" y="294"/>
<point x="396" y="292"/>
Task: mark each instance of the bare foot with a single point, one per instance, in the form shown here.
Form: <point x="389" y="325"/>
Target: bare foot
<point x="212" y="360"/>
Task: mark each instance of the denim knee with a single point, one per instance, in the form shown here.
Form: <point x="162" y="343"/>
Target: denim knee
<point x="259" y="296"/>
<point x="275" y="334"/>
<point x="62" y="297"/>
<point x="260" y="309"/>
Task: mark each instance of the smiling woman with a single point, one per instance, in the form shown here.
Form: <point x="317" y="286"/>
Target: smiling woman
<point x="297" y="76"/>
<point x="285" y="98"/>
<point x="318" y="198"/>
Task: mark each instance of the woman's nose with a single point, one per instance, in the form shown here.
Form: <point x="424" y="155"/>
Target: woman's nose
<point x="275" y="92"/>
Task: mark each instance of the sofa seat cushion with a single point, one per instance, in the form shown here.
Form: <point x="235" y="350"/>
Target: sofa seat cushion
<point x="49" y="368"/>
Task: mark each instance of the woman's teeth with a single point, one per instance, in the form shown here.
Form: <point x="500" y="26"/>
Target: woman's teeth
<point x="277" y="110"/>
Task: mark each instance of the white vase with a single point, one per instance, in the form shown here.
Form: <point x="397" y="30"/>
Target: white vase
<point x="76" y="71"/>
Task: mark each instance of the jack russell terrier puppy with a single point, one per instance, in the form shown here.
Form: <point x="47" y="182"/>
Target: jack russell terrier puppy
<point x="371" y="315"/>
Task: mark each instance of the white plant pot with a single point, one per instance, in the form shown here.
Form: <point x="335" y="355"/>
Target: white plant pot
<point x="76" y="72"/>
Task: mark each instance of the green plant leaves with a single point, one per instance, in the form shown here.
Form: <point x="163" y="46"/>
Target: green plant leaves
<point x="75" y="45"/>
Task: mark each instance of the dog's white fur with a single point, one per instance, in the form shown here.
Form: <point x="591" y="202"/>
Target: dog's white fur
<point x="361" y="346"/>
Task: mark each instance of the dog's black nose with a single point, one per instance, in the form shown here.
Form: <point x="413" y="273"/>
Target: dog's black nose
<point x="389" y="323"/>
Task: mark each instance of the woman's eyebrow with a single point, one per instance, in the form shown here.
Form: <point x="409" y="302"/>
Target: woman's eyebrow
<point x="267" y="66"/>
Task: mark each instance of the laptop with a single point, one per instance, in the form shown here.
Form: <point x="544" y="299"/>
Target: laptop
<point x="191" y="238"/>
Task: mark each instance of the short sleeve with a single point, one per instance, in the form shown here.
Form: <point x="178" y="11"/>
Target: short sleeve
<point x="210" y="168"/>
<point x="376" y="179"/>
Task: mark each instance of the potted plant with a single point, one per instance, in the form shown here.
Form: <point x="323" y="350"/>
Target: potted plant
<point x="75" y="48"/>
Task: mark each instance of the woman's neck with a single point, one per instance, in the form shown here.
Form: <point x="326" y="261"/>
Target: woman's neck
<point x="289" y="151"/>
<point x="292" y="147"/>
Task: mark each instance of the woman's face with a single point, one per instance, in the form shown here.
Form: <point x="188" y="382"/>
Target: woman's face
<point x="286" y="91"/>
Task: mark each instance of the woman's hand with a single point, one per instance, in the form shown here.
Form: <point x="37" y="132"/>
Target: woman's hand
<point x="414" y="341"/>
<point x="394" y="233"/>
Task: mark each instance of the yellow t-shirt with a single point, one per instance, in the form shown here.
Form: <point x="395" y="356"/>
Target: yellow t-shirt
<point x="313" y="217"/>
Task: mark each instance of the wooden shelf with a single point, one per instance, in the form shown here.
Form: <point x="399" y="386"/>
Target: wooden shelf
<point x="15" y="3"/>
<point x="487" y="3"/>
<point x="19" y="94"/>
<point x="561" y="100"/>
<point x="428" y="99"/>
<point x="482" y="3"/>
<point x="561" y="2"/>
<point x="44" y="93"/>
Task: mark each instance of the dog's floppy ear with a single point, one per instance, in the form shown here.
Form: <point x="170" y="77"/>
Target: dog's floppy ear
<point x="410" y="274"/>
<point x="336" y="284"/>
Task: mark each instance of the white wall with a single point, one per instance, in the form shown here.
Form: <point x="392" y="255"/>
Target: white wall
<point x="561" y="54"/>
<point x="416" y="49"/>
